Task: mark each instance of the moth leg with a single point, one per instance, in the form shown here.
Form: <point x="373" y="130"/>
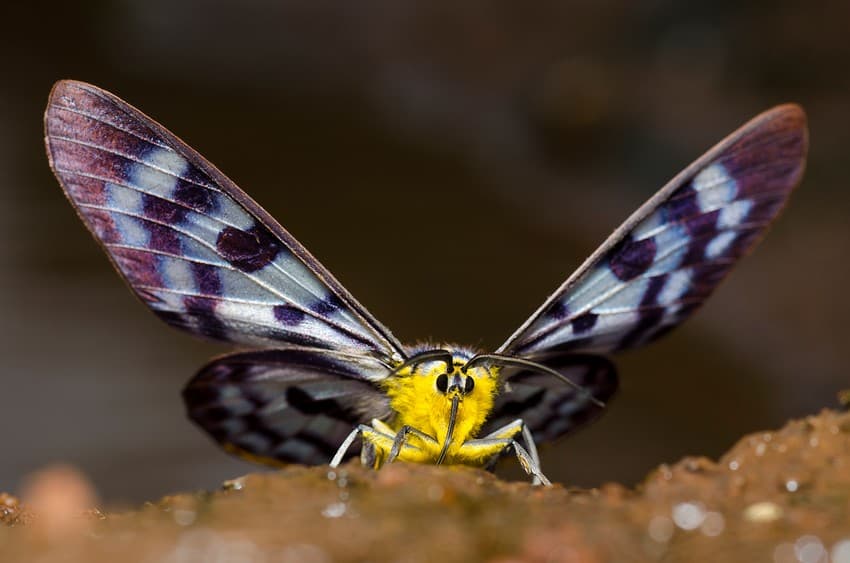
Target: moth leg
<point x="369" y="455"/>
<point x="532" y="447"/>
<point x="496" y="446"/>
<point x="400" y="438"/>
<point x="510" y="430"/>
<point x="340" y="453"/>
<point x="529" y="465"/>
<point x="360" y="430"/>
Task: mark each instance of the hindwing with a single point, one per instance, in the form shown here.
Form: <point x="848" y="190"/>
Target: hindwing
<point x="549" y="407"/>
<point x="288" y="405"/>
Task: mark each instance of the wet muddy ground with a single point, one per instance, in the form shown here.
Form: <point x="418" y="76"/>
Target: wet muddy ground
<point x="780" y="496"/>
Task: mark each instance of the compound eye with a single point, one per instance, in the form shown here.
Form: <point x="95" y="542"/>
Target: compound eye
<point x="469" y="385"/>
<point x="442" y="383"/>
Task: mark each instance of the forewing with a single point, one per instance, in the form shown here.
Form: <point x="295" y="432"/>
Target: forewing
<point x="668" y="257"/>
<point x="549" y="407"/>
<point x="290" y="405"/>
<point x="192" y="245"/>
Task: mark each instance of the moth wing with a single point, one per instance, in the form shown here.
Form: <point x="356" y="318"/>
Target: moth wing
<point x="549" y="407"/>
<point x="194" y="247"/>
<point x="668" y="257"/>
<point x="292" y="405"/>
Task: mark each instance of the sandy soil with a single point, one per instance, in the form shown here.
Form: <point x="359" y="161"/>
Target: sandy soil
<point x="780" y="496"/>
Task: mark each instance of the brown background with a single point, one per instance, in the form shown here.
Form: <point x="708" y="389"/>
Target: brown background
<point x="451" y="165"/>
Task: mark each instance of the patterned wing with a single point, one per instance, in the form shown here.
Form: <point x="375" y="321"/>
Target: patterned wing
<point x="668" y="257"/>
<point x="548" y="407"/>
<point x="195" y="248"/>
<point x="289" y="405"/>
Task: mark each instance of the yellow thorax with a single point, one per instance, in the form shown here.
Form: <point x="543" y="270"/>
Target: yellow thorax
<point x="421" y="396"/>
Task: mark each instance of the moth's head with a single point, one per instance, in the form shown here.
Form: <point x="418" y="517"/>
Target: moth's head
<point x="459" y="382"/>
<point x="448" y="373"/>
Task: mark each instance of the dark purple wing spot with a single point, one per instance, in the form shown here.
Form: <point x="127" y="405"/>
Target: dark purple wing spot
<point x="209" y="404"/>
<point x="249" y="250"/>
<point x="584" y="322"/>
<point x="705" y="278"/>
<point x="163" y="238"/>
<point x="305" y="403"/>
<point x="327" y="306"/>
<point x="133" y="151"/>
<point x="207" y="279"/>
<point x="514" y="408"/>
<point x="650" y="313"/>
<point x="162" y="210"/>
<point x="681" y="205"/>
<point x="318" y="441"/>
<point x="256" y="424"/>
<point x="198" y="198"/>
<point x="195" y="175"/>
<point x="201" y="394"/>
<point x="630" y="258"/>
<point x="288" y="315"/>
<point x="647" y="321"/>
<point x="558" y="310"/>
<point x="199" y="319"/>
<point x="653" y="289"/>
<point x="703" y="224"/>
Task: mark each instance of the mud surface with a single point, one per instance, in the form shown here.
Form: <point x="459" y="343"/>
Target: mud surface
<point x="779" y="496"/>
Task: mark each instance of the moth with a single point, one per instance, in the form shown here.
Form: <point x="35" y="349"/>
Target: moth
<point x="207" y="259"/>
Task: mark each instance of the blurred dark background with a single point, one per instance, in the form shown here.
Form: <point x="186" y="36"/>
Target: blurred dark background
<point x="499" y="141"/>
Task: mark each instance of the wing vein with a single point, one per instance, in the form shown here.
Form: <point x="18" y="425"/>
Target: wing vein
<point x="94" y="117"/>
<point x="204" y="243"/>
<point x="258" y="282"/>
<point x="135" y="160"/>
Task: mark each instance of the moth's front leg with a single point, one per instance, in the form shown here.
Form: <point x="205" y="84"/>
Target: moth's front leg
<point x="487" y="449"/>
<point x="484" y="450"/>
<point x="401" y="437"/>
<point x="378" y="440"/>
<point x="383" y="444"/>
<point x="510" y="430"/>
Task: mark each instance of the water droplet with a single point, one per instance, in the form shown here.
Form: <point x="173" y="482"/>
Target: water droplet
<point x="334" y="510"/>
<point x="713" y="524"/>
<point x="760" y="449"/>
<point x="660" y="529"/>
<point x="734" y="465"/>
<point x="689" y="515"/>
<point x="184" y="516"/>
<point x="814" y="441"/>
<point x="841" y="552"/>
<point x="791" y="485"/>
<point x="331" y="475"/>
<point x="784" y="553"/>
<point x="809" y="549"/>
<point x="762" y="512"/>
